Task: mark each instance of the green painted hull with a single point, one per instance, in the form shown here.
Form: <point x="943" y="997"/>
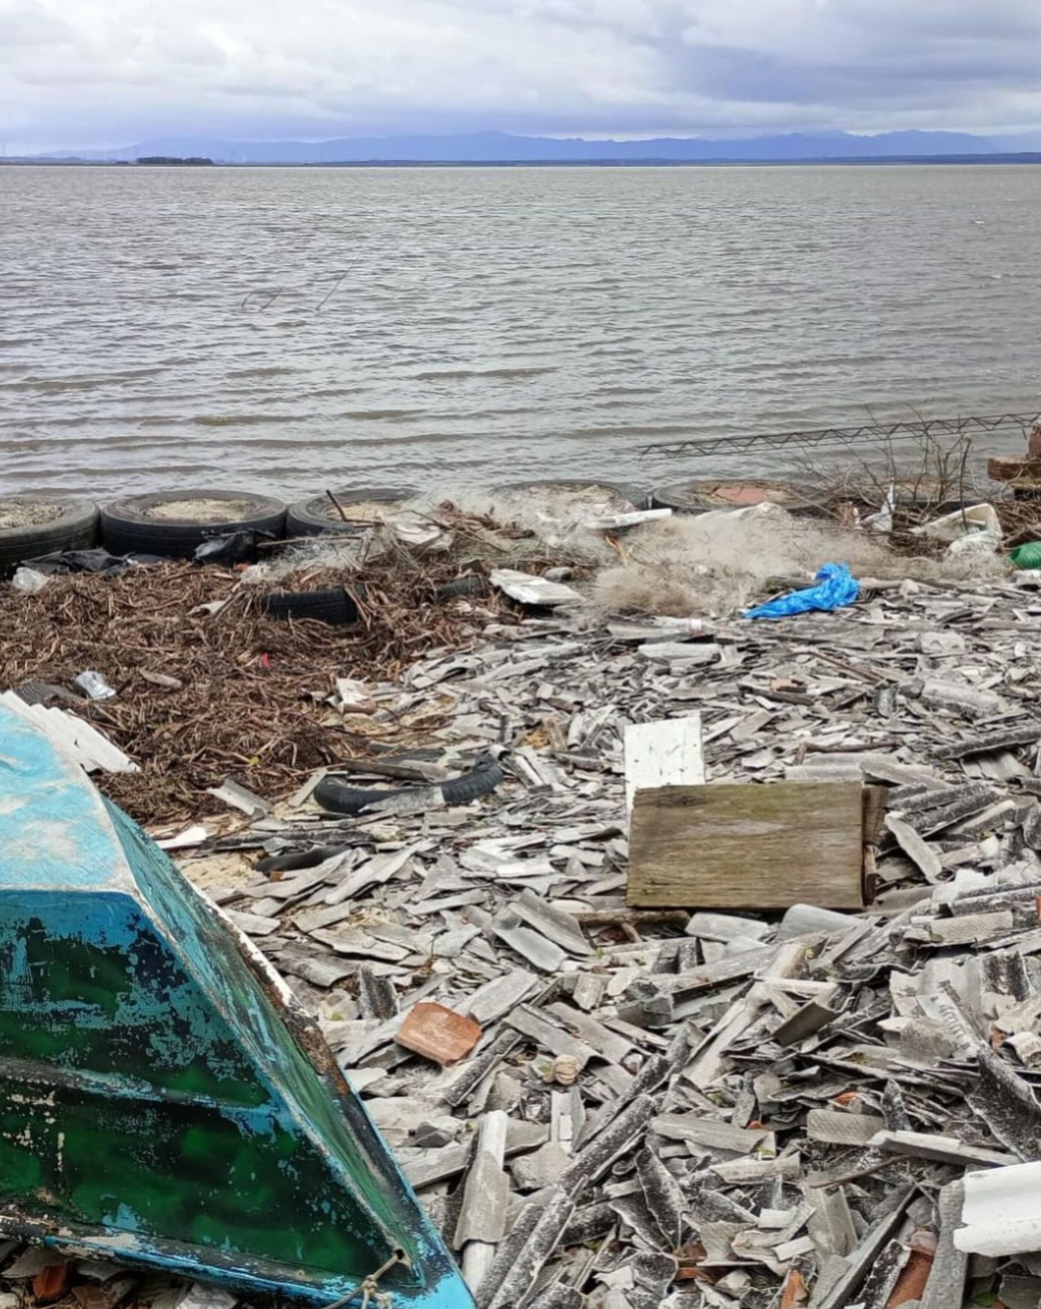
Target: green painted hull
<point x="162" y="1097"/>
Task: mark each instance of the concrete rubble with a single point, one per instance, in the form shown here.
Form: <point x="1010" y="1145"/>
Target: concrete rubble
<point x="613" y="1108"/>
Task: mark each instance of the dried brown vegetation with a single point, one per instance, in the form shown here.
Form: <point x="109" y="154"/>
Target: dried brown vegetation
<point x="251" y="687"/>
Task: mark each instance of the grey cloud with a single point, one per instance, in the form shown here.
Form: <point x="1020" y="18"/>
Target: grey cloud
<point x="867" y="63"/>
<point x="313" y="67"/>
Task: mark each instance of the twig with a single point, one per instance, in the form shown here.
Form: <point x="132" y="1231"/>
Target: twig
<point x="337" y="506"/>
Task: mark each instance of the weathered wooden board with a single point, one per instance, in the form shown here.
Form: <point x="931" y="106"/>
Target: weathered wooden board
<point x="747" y="846"/>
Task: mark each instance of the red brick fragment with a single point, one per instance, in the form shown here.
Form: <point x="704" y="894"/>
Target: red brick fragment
<point x="910" y="1285"/>
<point x="51" y="1283"/>
<point x="438" y="1033"/>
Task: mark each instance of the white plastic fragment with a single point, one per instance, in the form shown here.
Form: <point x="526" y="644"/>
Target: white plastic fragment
<point x="29" y="580"/>
<point x="963" y="523"/>
<point x="609" y="522"/>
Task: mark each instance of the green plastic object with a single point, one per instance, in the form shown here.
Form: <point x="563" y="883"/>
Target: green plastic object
<point x="1027" y="556"/>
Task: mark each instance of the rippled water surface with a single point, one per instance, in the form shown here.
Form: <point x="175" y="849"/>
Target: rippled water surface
<point x="285" y="330"/>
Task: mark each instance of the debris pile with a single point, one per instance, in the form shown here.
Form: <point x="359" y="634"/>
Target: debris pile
<point x="204" y="694"/>
<point x="609" y="1106"/>
<point x="613" y="1107"/>
<point x="211" y="679"/>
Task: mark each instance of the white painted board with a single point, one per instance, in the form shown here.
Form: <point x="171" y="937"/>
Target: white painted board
<point x="666" y="753"/>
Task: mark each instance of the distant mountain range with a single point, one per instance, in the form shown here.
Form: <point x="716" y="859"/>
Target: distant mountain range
<point x="500" y="147"/>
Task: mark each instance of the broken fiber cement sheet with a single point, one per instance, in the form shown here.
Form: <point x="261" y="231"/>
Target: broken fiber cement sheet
<point x="1002" y="1211"/>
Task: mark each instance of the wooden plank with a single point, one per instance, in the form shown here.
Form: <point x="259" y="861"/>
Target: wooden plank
<point x="876" y="800"/>
<point x="666" y="753"/>
<point x="747" y="846"/>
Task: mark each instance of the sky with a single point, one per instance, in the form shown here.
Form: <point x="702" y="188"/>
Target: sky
<point x="111" y="72"/>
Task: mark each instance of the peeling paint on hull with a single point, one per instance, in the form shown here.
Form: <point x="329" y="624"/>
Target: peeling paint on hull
<point x="162" y="1097"/>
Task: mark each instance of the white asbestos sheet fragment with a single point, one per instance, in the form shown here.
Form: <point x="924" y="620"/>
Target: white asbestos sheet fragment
<point x="1001" y="1214"/>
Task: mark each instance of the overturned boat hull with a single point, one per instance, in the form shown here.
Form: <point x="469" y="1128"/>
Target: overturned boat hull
<point x="163" y="1098"/>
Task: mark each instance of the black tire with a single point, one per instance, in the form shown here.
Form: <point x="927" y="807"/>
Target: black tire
<point x="336" y="797"/>
<point x="470" y="584"/>
<point x="299" y="859"/>
<point x="482" y="779"/>
<point x="76" y="528"/>
<point x="633" y="494"/>
<point x="333" y="606"/>
<point x="682" y="498"/>
<point x="317" y="516"/>
<point x="126" y="527"/>
<point x="671" y="497"/>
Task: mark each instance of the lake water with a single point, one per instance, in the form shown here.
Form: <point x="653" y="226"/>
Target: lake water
<point x="286" y="330"/>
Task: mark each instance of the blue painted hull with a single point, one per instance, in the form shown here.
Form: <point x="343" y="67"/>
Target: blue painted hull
<point x="163" y="1099"/>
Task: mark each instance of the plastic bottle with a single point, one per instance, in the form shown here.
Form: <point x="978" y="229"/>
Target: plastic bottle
<point x="688" y="626"/>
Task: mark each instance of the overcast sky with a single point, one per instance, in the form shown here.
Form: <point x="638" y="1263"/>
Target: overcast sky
<point x="110" y="72"/>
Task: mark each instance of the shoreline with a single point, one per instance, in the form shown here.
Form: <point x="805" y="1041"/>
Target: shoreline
<point x="951" y="161"/>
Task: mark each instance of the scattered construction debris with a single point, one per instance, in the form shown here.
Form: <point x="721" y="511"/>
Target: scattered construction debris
<point x="606" y="1105"/>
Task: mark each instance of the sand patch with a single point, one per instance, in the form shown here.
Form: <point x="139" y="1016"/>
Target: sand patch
<point x="28" y="513"/>
<point x="359" y="511"/>
<point x="200" y="511"/>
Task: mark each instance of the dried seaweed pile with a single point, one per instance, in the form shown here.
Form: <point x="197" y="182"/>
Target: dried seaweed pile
<point x="1020" y="520"/>
<point x="202" y="695"/>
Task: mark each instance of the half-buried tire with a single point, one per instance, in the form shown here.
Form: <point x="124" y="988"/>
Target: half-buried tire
<point x="318" y="516"/>
<point x="704" y="495"/>
<point x="333" y="606"/>
<point x="338" y="797"/>
<point x="175" y="523"/>
<point x="34" y="525"/>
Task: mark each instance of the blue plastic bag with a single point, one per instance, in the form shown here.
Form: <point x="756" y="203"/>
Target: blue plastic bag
<point x="838" y="587"/>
